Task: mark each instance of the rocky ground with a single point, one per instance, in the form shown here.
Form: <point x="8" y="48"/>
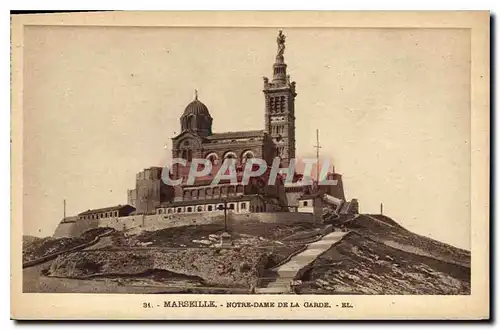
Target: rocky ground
<point x="187" y="257"/>
<point x="36" y="248"/>
<point x="249" y="233"/>
<point x="28" y="240"/>
<point x="208" y="267"/>
<point x="378" y="258"/>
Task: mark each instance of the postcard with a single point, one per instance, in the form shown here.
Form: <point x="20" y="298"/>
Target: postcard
<point x="250" y="165"/>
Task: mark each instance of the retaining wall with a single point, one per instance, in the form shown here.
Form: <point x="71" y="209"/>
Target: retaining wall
<point x="161" y="221"/>
<point x="73" y="229"/>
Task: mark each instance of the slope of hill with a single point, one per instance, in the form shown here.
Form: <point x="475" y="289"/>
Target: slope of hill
<point x="181" y="257"/>
<point x="376" y="256"/>
<point x="379" y="256"/>
<point x="28" y="240"/>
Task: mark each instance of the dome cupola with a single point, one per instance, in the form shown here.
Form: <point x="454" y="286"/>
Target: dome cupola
<point x="196" y="118"/>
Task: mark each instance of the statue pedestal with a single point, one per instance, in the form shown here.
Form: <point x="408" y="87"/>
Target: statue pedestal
<point x="226" y="240"/>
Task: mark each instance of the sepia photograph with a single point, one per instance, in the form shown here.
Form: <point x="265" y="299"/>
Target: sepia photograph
<point x="251" y="160"/>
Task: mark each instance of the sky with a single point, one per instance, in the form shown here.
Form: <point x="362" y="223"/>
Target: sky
<point x="392" y="105"/>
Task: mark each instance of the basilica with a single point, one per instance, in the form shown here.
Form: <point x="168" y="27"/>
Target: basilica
<point x="197" y="140"/>
<point x="153" y="204"/>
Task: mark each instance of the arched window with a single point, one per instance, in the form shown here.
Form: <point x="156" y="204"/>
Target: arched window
<point x="240" y="189"/>
<point x="194" y="193"/>
<point x="179" y="209"/>
<point x="231" y="190"/>
<point x="187" y="154"/>
<point x="187" y="195"/>
<point x="216" y="191"/>
<point x="246" y="156"/>
<point x="213" y="157"/>
<point x="230" y="155"/>
<point x="191" y="122"/>
<point x="243" y="206"/>
<point x="209" y="208"/>
<point x="169" y="211"/>
<point x="304" y="203"/>
<point x="200" y="208"/>
<point x="189" y="209"/>
<point x="231" y="206"/>
<point x="201" y="193"/>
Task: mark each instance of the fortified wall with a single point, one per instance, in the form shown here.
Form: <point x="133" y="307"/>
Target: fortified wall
<point x="161" y="221"/>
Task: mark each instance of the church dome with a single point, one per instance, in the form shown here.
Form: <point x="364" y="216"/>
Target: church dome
<point x="196" y="118"/>
<point x="196" y="108"/>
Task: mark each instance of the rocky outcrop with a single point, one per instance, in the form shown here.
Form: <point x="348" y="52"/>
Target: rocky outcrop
<point x="216" y="267"/>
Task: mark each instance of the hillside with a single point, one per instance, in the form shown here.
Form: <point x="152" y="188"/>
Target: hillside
<point x="375" y="256"/>
<point x="28" y="240"/>
<point x="378" y="256"/>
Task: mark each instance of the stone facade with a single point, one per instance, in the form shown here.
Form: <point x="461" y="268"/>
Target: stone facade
<point x="312" y="204"/>
<point x="150" y="191"/>
<point x="277" y="139"/>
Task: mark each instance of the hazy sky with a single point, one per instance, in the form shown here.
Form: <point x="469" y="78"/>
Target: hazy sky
<point x="392" y="106"/>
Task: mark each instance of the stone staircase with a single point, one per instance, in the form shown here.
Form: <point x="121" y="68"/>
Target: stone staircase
<point x="278" y="280"/>
<point x="278" y="285"/>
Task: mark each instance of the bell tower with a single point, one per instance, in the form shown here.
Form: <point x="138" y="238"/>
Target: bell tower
<point x="280" y="106"/>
